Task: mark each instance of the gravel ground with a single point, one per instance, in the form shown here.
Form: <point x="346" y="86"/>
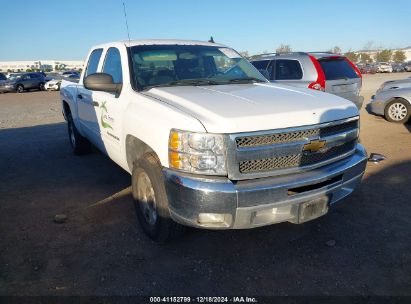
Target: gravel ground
<point x="362" y="247"/>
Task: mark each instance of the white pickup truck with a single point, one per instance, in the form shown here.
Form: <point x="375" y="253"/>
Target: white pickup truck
<point x="208" y="141"/>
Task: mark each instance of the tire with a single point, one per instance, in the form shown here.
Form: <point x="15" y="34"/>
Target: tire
<point x="19" y="88"/>
<point x="150" y="200"/>
<point x="398" y="111"/>
<point x="41" y="86"/>
<point x="78" y="143"/>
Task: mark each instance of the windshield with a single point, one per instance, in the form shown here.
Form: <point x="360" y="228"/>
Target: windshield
<point x="176" y="65"/>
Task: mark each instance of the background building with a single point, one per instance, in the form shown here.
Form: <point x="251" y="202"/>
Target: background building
<point x="47" y="65"/>
<point x="373" y="53"/>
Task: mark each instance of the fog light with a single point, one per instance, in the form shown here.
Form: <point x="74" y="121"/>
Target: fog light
<point x="214" y="219"/>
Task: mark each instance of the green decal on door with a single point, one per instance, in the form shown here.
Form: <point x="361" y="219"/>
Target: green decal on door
<point x="104" y="116"/>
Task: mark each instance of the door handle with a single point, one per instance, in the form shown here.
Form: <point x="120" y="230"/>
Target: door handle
<point x="79" y="96"/>
<point x="95" y="104"/>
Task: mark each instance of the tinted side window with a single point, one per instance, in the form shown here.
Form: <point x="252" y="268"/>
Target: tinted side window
<point x="261" y="64"/>
<point x="2" y="77"/>
<point x="288" y="70"/>
<point x="337" y="68"/>
<point x="93" y="62"/>
<point x="112" y="65"/>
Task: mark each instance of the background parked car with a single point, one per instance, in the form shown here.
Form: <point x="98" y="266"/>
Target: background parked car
<point x="394" y="105"/>
<point x="398" y="67"/>
<point x="22" y="82"/>
<point x="384" y="67"/>
<point x="68" y="73"/>
<point x="327" y="72"/>
<point x="54" y="82"/>
<point x="407" y="66"/>
<point x="368" y="69"/>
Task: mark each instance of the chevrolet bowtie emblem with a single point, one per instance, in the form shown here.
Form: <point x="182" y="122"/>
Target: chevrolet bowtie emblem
<point x="314" y="145"/>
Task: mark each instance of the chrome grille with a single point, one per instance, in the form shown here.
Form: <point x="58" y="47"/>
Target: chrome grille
<point x="265" y="140"/>
<point x="296" y="160"/>
<point x="279" y="138"/>
<point x="278" y="152"/>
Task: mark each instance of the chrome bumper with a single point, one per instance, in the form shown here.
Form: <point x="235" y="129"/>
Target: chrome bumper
<point x="219" y="203"/>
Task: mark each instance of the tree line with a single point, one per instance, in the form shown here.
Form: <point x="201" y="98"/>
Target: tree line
<point x="385" y="55"/>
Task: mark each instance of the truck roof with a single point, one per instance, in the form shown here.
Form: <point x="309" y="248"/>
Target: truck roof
<point x="158" y="42"/>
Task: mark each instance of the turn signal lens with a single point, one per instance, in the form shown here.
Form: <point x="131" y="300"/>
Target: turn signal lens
<point x="174" y="140"/>
<point x="174" y="159"/>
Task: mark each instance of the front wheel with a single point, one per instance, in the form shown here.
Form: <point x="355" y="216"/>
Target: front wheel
<point x="150" y="200"/>
<point x="398" y="111"/>
<point x="20" y="88"/>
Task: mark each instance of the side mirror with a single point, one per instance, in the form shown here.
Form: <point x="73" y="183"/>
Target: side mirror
<point x="102" y="82"/>
<point x="265" y="73"/>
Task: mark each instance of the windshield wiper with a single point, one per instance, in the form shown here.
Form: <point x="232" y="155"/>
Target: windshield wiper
<point x="245" y="79"/>
<point x="188" y="82"/>
<point x="193" y="82"/>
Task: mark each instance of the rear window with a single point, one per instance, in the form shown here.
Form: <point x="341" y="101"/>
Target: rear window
<point x="337" y="68"/>
<point x="288" y="70"/>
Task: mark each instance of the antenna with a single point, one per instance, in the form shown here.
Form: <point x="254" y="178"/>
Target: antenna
<point x="125" y="17"/>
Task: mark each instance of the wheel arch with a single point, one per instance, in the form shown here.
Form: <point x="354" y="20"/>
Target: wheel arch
<point x="398" y="98"/>
<point x="66" y="109"/>
<point x="135" y="149"/>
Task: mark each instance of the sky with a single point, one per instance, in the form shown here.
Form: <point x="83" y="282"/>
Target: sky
<point x="66" y="30"/>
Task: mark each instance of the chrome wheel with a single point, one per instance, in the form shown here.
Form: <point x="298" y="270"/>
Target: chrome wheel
<point x="397" y="111"/>
<point x="20" y="89"/>
<point x="146" y="198"/>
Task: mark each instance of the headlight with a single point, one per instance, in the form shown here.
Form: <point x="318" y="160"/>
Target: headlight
<point x="201" y="153"/>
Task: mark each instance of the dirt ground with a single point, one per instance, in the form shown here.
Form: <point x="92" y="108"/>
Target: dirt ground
<point x="362" y="247"/>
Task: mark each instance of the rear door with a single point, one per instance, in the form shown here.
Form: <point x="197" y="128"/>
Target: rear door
<point x="26" y="81"/>
<point x="340" y="78"/>
<point x="287" y="71"/>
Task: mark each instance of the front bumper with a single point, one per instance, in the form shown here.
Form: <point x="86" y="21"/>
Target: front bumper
<point x="258" y="202"/>
<point x="377" y="107"/>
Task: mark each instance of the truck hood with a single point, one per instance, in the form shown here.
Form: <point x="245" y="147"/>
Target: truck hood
<point x="253" y="107"/>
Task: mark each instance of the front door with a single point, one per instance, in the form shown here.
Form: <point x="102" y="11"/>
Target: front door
<point x="87" y="107"/>
<point x="109" y="106"/>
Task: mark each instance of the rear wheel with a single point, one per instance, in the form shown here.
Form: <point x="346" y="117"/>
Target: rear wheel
<point x="41" y="86"/>
<point x="398" y="110"/>
<point x="19" y="88"/>
<point x="79" y="144"/>
<point x="150" y="200"/>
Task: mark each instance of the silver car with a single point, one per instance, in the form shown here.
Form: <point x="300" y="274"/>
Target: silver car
<point x="394" y="105"/>
<point x="327" y="72"/>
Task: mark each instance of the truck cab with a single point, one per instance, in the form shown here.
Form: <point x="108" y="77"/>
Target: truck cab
<point x="208" y="141"/>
